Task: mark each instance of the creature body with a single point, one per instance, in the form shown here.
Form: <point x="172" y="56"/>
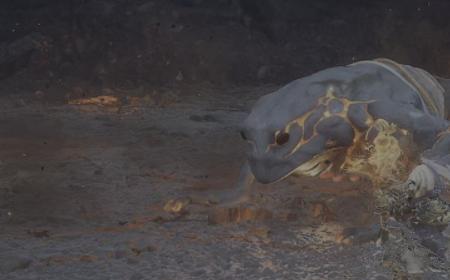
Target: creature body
<point x="379" y="119"/>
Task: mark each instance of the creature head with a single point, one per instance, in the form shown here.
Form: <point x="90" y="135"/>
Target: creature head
<point x="301" y="128"/>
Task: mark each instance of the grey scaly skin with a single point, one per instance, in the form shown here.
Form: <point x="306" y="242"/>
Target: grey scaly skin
<point x="367" y="118"/>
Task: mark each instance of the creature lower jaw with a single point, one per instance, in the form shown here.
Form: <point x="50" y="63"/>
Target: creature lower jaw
<point x="314" y="171"/>
<point x="321" y="163"/>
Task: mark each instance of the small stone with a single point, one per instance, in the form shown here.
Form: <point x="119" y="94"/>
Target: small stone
<point x="413" y="264"/>
<point x="179" y="76"/>
<point x="358" y="235"/>
<point x="321" y="210"/>
<point x="136" y="251"/>
<point x="318" y="210"/>
<point x="177" y="206"/>
<point x="102" y="100"/>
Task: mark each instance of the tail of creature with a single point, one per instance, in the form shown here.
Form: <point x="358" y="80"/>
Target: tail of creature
<point x="445" y="83"/>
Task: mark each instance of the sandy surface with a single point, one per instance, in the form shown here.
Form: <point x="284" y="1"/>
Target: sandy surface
<point x="82" y="190"/>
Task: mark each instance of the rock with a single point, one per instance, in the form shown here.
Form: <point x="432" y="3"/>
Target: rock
<point x="102" y="100"/>
<point x="321" y="210"/>
<point x="414" y="265"/>
<point x="317" y="210"/>
<point x="177" y="206"/>
<point x="359" y="235"/>
<point x="180" y="76"/>
<point x="239" y="214"/>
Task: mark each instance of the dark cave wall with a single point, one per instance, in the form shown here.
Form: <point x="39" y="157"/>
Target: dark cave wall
<point x="129" y="43"/>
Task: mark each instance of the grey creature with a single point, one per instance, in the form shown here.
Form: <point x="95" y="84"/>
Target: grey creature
<point x="378" y="119"/>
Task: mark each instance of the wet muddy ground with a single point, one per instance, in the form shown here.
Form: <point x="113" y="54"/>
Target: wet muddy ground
<point x="83" y="189"/>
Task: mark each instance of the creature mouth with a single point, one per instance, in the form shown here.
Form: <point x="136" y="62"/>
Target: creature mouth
<point x="319" y="164"/>
<point x="313" y="168"/>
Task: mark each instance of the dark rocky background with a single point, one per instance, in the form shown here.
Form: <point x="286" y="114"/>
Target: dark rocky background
<point x="128" y="44"/>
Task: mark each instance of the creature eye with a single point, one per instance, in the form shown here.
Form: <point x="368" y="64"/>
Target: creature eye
<point x="282" y="138"/>
<point x="243" y="135"/>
